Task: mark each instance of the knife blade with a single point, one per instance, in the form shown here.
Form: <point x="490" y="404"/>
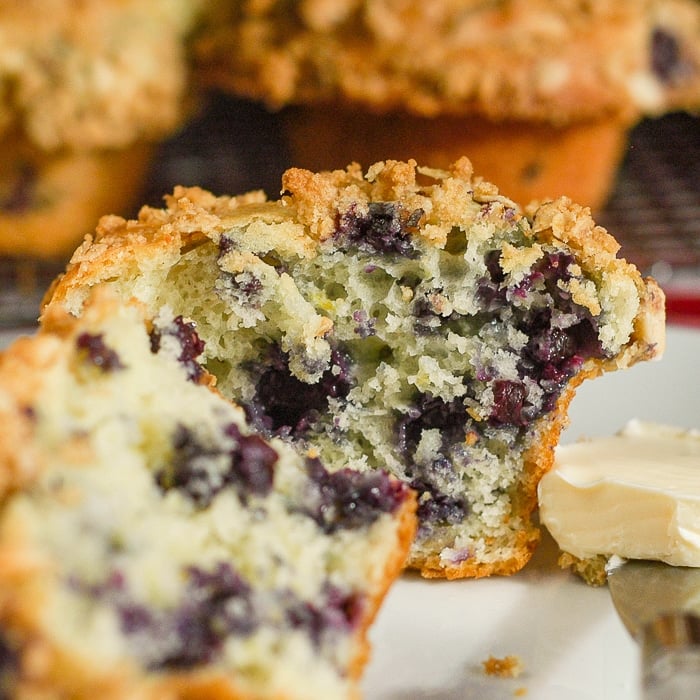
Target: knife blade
<point x="659" y="605"/>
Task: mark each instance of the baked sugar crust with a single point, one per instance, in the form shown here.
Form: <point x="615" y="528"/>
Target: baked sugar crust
<point x="553" y="61"/>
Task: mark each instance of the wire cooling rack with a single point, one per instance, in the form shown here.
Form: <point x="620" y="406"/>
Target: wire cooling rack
<point x="234" y="146"/>
<point x="654" y="211"/>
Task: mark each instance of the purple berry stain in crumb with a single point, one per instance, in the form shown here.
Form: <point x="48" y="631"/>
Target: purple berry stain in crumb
<point x="191" y="345"/>
<point x="365" y="324"/>
<point x="337" y="611"/>
<point x="347" y="499"/>
<point x="201" y="471"/>
<point x="450" y="418"/>
<point x="215" y="604"/>
<point x="383" y="228"/>
<point x="98" y="353"/>
<point x="218" y="603"/>
<point x="286" y="405"/>
<point x="553" y="352"/>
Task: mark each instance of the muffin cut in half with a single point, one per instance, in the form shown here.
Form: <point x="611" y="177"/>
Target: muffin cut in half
<point x="152" y="546"/>
<point x="406" y="318"/>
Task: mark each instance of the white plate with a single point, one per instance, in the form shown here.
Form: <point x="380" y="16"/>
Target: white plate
<point x="431" y="637"/>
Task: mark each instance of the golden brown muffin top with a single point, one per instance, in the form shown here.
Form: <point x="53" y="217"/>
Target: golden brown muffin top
<point x="93" y="74"/>
<point x="555" y="60"/>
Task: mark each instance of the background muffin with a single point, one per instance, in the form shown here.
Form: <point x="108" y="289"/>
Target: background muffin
<point x="540" y="95"/>
<point x="86" y="90"/>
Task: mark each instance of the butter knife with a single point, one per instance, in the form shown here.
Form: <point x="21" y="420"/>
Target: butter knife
<point x="660" y="607"/>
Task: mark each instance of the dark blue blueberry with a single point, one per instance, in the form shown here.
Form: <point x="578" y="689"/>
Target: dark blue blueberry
<point x="98" y="352"/>
<point x="252" y="463"/>
<point x="508" y="403"/>
<point x="188" y="470"/>
<point x="384" y="228"/>
<point x="196" y="468"/>
<point x="429" y="412"/>
<point x="284" y="404"/>
<point x="347" y="607"/>
<point x="349" y="499"/>
<point x="549" y="345"/>
<point x="217" y="604"/>
<point x="553" y="354"/>
<point x="435" y="508"/>
<point x="450" y="418"/>
<point x="192" y="346"/>
<point x="548" y="271"/>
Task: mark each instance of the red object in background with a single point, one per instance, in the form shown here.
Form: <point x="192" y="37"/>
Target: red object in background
<point x="683" y="308"/>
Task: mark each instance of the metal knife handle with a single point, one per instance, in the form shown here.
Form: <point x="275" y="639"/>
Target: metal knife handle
<point x="671" y="658"/>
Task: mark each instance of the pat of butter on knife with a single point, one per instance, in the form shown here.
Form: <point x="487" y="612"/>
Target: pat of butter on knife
<point x="635" y="495"/>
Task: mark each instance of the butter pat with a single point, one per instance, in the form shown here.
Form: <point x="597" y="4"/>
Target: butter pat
<point x="635" y="495"/>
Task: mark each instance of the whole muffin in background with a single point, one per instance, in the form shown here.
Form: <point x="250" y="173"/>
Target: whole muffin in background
<point x="88" y="89"/>
<point x="540" y="94"/>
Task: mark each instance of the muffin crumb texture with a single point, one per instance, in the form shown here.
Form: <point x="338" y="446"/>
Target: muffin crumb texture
<point x="153" y="546"/>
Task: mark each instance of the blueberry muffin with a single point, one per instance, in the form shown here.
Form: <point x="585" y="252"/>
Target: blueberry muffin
<point x="540" y="94"/>
<point x="402" y="318"/>
<point x="88" y="87"/>
<point x="49" y="201"/>
<point x="153" y="546"/>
